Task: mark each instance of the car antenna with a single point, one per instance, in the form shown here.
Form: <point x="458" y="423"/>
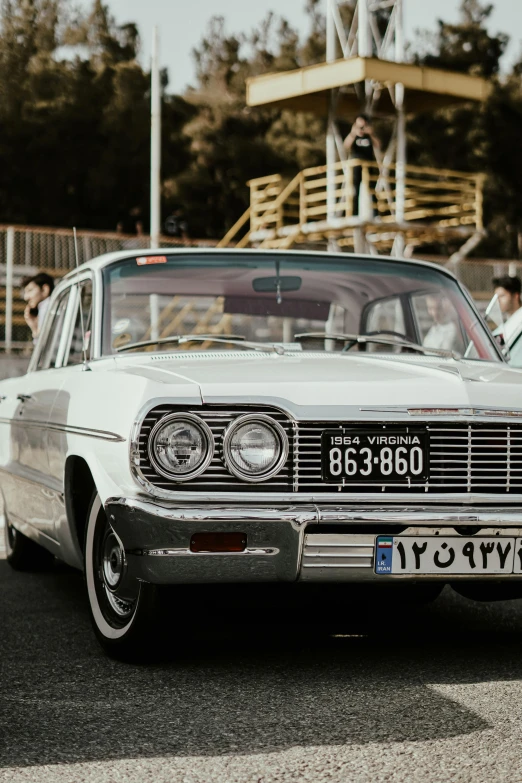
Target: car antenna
<point x="78" y="287"/>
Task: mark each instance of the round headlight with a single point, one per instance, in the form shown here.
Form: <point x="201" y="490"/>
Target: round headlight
<point x="181" y="446"/>
<point x="255" y="448"/>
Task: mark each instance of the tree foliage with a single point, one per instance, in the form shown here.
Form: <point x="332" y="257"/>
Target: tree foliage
<point x="471" y="137"/>
<point x="74" y="112"/>
<point x="75" y="103"/>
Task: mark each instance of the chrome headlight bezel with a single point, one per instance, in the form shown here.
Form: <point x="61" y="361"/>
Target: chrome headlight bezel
<point x="208" y="437"/>
<point x="284" y="447"/>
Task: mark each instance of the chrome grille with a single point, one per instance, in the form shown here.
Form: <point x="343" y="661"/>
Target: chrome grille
<point x="336" y="551"/>
<point x="476" y="457"/>
<point x="462" y="458"/>
<point x="216" y="478"/>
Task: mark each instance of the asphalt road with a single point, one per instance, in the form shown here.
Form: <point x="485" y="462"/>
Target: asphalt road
<point x="434" y="697"/>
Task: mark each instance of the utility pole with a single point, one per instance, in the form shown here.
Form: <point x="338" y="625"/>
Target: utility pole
<point x="155" y="142"/>
<point x="331" y="153"/>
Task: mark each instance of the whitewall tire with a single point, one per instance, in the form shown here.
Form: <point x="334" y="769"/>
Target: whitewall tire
<point x="124" y="627"/>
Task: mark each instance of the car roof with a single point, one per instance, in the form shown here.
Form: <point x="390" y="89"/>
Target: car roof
<point x="106" y="259"/>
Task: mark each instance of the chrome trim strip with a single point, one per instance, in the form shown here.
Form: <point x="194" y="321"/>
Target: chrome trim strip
<point x="336" y="554"/>
<point x="301" y="515"/>
<point x="187" y="552"/>
<point x="89" y="433"/>
<point x="337" y="565"/>
<point x="508" y="484"/>
<point x="396" y="499"/>
<point x="489" y="412"/>
<point x="341" y="545"/>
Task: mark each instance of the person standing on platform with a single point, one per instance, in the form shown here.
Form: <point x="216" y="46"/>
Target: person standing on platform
<point x="361" y="144"/>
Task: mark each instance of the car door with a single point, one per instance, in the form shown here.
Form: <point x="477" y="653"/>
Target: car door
<point x="77" y="348"/>
<point x="34" y="489"/>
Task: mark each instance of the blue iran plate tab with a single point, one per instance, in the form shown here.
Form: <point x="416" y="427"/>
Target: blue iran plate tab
<point x="383" y="555"/>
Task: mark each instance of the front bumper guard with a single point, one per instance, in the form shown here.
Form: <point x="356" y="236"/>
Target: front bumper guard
<point x="284" y="543"/>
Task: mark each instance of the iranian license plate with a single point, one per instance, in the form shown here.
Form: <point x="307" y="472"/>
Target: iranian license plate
<point x="381" y="456"/>
<point x="448" y="555"/>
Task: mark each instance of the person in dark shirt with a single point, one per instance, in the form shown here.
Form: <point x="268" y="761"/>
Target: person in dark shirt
<point x="361" y="144"/>
<point x="176" y="225"/>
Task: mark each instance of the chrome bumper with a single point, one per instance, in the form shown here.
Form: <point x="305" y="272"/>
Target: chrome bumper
<point x="284" y="543"/>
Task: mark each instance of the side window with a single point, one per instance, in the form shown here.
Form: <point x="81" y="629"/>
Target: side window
<point x="52" y="338"/>
<point x="386" y="316"/>
<point x="76" y="346"/>
<point x="438" y="322"/>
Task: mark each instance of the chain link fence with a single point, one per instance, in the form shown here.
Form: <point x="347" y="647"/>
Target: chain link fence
<point x="25" y="251"/>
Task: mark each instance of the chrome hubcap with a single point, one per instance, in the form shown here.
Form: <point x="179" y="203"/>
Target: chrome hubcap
<point x="113" y="561"/>
<point x="112" y="567"/>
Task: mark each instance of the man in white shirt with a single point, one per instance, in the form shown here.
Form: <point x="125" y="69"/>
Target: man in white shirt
<point x="37" y="291"/>
<point x="444" y="334"/>
<point x="508" y="292"/>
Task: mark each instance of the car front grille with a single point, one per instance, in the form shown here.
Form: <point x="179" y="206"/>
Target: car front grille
<point x="463" y="458"/>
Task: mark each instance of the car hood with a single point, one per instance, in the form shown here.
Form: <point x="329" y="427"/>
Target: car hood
<point x="322" y="379"/>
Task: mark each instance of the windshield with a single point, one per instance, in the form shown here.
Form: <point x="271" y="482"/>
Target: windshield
<point x="271" y="298"/>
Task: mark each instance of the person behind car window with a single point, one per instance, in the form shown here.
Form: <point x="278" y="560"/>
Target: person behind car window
<point x="361" y="143"/>
<point x="508" y="293"/>
<point x="444" y="332"/>
<point x="36" y="292"/>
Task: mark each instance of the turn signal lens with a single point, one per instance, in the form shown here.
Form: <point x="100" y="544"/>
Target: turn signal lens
<point x="218" y="542"/>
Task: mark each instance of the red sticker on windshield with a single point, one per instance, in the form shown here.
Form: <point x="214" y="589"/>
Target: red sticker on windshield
<point x="145" y="260"/>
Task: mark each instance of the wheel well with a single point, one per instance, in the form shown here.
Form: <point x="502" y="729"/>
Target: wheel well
<point x="79" y="488"/>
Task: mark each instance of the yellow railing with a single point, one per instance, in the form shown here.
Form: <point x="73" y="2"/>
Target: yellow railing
<point x="362" y="191"/>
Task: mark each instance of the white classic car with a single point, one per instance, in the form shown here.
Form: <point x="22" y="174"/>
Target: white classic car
<point x="259" y="416"/>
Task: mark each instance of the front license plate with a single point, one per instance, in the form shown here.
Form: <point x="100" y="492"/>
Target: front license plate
<point x="447" y="555"/>
<point x="377" y="457"/>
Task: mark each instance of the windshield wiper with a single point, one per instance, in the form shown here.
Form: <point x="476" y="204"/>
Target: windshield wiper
<point x="230" y="339"/>
<point x="363" y="339"/>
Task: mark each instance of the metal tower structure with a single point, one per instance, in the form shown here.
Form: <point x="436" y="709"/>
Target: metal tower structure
<point x="366" y="38"/>
<point x="365" y="70"/>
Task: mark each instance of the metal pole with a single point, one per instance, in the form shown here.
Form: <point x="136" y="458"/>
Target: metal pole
<point x="400" y="171"/>
<point x="155" y="143"/>
<point x="331" y="153"/>
<point x="154" y="316"/>
<point x="364" y="30"/>
<point x="9" y="290"/>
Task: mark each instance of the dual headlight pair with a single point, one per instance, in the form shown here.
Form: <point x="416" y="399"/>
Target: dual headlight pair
<point x="181" y="447"/>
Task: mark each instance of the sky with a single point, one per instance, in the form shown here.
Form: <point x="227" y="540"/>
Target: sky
<point x="183" y="22"/>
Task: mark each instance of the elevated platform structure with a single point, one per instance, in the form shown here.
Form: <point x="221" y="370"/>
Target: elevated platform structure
<point x="401" y="206"/>
<point x="309" y="89"/>
<point x="440" y="204"/>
